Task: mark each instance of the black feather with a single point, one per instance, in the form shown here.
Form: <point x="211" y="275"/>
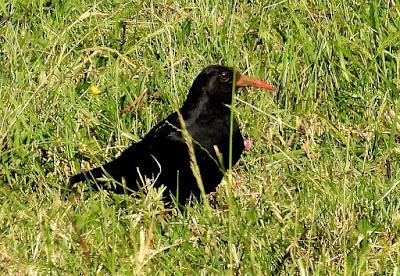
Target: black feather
<point x="163" y="153"/>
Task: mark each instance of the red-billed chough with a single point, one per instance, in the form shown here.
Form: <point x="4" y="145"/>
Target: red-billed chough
<point x="163" y="154"/>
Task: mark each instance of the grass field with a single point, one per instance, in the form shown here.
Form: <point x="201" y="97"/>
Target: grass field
<point x="318" y="194"/>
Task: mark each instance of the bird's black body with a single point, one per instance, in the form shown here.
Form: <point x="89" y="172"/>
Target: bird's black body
<point x="163" y="153"/>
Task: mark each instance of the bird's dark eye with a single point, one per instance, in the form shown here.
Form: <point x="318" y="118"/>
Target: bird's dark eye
<point x="224" y="77"/>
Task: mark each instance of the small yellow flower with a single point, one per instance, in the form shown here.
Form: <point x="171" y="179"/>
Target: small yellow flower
<point x="94" y="90"/>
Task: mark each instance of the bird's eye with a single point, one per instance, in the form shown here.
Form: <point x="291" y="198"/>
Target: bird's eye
<point x="224" y="77"/>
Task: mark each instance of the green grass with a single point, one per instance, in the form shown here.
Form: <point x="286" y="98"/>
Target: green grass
<point x="319" y="193"/>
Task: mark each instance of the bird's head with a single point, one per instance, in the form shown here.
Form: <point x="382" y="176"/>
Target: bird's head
<point x="216" y="82"/>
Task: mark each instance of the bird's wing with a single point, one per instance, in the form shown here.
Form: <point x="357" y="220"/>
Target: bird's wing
<point x="166" y="130"/>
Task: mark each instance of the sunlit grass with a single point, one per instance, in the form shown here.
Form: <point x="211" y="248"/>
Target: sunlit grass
<point x="318" y="194"/>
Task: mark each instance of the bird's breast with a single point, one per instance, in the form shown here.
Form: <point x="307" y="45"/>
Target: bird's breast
<point x="217" y="133"/>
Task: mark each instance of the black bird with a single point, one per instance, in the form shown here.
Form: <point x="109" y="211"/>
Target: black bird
<point x="163" y="155"/>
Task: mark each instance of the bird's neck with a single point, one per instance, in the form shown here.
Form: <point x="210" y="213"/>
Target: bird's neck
<point x="198" y="104"/>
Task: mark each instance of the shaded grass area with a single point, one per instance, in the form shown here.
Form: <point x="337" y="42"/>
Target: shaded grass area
<point x="318" y="193"/>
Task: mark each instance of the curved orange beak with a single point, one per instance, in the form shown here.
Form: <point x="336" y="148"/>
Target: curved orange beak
<point x="248" y="81"/>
